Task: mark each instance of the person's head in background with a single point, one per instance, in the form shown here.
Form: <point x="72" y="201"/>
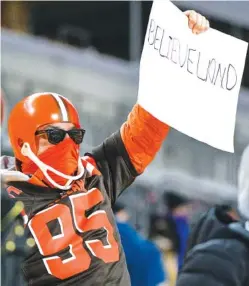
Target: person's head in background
<point x="121" y="212"/>
<point x="232" y="212"/>
<point x="176" y="204"/>
<point x="243" y="184"/>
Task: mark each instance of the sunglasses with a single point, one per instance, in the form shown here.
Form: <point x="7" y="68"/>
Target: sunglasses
<point x="56" y="135"/>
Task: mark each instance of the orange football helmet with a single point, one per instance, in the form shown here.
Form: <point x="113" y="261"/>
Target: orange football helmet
<point x="33" y="112"/>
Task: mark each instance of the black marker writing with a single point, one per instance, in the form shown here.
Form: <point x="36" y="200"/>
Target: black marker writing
<point x="192" y="61"/>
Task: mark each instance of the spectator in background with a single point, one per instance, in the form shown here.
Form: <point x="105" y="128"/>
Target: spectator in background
<point x="219" y="244"/>
<point x="143" y="258"/>
<point x="163" y="233"/>
<point x="210" y="222"/>
<point x="177" y="218"/>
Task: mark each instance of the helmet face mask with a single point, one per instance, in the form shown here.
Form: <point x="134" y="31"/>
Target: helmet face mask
<point x="27" y="152"/>
<point x="32" y="113"/>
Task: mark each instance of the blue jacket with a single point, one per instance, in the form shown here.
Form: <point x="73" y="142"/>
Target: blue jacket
<point x="182" y="229"/>
<point x="144" y="260"/>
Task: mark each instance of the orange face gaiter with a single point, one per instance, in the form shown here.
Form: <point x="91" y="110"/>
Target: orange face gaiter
<point x="63" y="157"/>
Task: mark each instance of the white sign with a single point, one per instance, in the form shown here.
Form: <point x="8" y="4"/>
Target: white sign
<point x="191" y="82"/>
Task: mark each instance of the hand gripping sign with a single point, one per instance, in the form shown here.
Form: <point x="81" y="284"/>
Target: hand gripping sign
<point x="191" y="82"/>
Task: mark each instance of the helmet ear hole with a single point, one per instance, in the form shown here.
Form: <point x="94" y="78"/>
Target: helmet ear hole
<point x="20" y="142"/>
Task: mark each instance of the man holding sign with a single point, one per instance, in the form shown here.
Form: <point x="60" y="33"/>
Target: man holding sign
<point x="67" y="199"/>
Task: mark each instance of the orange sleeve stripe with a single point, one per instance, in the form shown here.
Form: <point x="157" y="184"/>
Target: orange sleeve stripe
<point x="143" y="136"/>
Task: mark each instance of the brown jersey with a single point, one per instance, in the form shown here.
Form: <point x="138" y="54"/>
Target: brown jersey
<point x="77" y="242"/>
